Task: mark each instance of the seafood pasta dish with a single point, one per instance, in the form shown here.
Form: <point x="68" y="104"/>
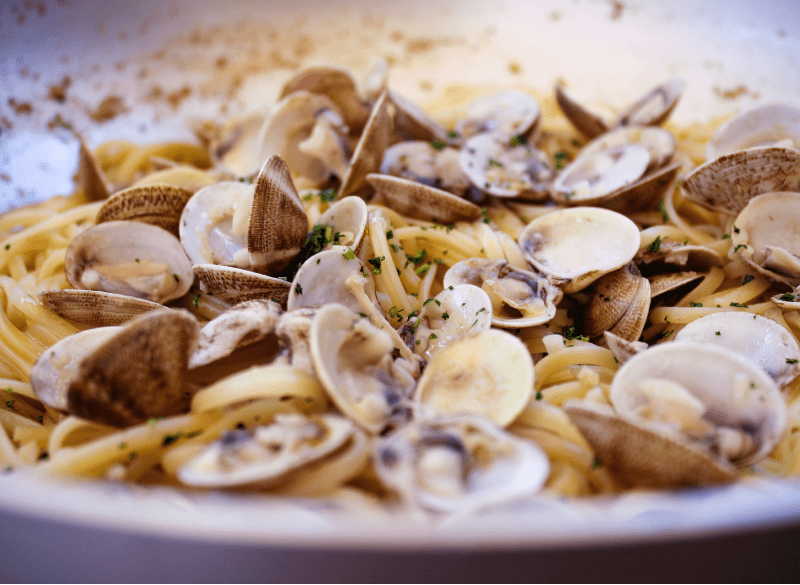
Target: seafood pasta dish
<point x="349" y="298"/>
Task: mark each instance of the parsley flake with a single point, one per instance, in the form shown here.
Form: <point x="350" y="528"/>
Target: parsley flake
<point x="791" y="361"/>
<point x="438" y="144"/>
<point x="655" y="244"/>
<point x="349" y="254"/>
<point x="662" y="209"/>
<point x="736" y="249"/>
<point x="693" y="304"/>
<point x="298" y="289"/>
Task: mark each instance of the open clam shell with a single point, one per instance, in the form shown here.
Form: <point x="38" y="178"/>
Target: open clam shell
<point x="91" y="178"/>
<point x="159" y="205"/>
<point x="507" y="113"/>
<point x="353" y="361"/>
<point x="458" y="464"/>
<point x="589" y="124"/>
<point x="423" y="202"/>
<point x="431" y="163"/>
<point x="129" y="258"/>
<point x="580" y="244"/>
<point x="729" y="182"/>
<point x="654" y="107"/>
<point x="95" y="308"/>
<point x="268" y="455"/>
<point x="613" y="295"/>
<point x="489" y="373"/>
<point x="762" y="340"/>
<point x="768" y="125"/>
<point x="234" y="285"/>
<point x="413" y="123"/>
<point x="765" y="236"/>
<point x="347" y="218"/>
<point x="519" y="298"/>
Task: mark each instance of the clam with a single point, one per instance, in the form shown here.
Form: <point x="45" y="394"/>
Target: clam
<point x="431" y="163"/>
<point x="259" y="228"/>
<point x="94" y="308"/>
<point x="729" y="182"/>
<point x="353" y="361"/>
<point x="684" y="413"/>
<point x="236" y="146"/>
<point x="667" y="281"/>
<point x="129" y="258"/>
<point x="580" y="244"/>
<point x="269" y="455"/>
<point x="335" y="83"/>
<point x="294" y="335"/>
<point x="765" y="236"/>
<point x="423" y="202"/>
<point x="412" y="122"/>
<point x="91" y="178"/>
<point x="623" y="349"/>
<point x="120" y="376"/>
<point x="507" y="113"/>
<point x="489" y="373"/>
<point x="589" y="124"/>
<point x="459" y="464"/>
<point x="666" y="251"/>
<point x="519" y="298"/>
<point x="369" y="151"/>
<point x="468" y="310"/>
<point x="307" y="131"/>
<point x="767" y="125"/>
<point x="241" y="325"/>
<point x="234" y="285"/>
<point x="506" y="167"/>
<point x="762" y="340"/>
<point x="618" y="304"/>
<point x="322" y="279"/>
<point x="347" y="220"/>
<point x="158" y="204"/>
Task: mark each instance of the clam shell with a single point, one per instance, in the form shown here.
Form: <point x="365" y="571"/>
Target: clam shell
<point x="234" y="285"/>
<point x="413" y="123"/>
<point x="130" y="258"/>
<point x="661" y="283"/>
<point x="612" y="296"/>
<point x="159" y="205"/>
<point x="728" y="183"/>
<point x="348" y="217"/>
<point x="655" y="106"/>
<point x="95" y="308"/>
<point x="435" y="166"/>
<point x="767" y="125"/>
<point x="489" y="373"/>
<point x="507" y="113"/>
<point x="369" y="151"/>
<point x="138" y="373"/>
<point x="584" y="121"/>
<point x="631" y="325"/>
<point x="423" y="202"/>
<point x="91" y="178"/>
<point x="580" y="244"/>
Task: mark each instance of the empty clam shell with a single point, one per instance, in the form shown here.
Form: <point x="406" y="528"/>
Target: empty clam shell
<point x="95" y="308"/>
<point x="423" y="202"/>
<point x="159" y="205"/>
<point x="765" y="236"/>
<point x="268" y="455"/>
<point x="612" y="296"/>
<point x="729" y="182"/>
<point x="762" y="340"/>
<point x="507" y="113"/>
<point x="91" y="178"/>
<point x="241" y="325"/>
<point x="489" y="373"/>
<point x="768" y="125"/>
<point x="459" y="463"/>
<point x="503" y="169"/>
<point x="353" y="361"/>
<point x="348" y="218"/>
<point x="659" y="143"/>
<point x="623" y="349"/>
<point x="431" y="163"/>
<point x="580" y="244"/>
<point x="337" y="84"/>
<point x="234" y="285"/>
<point x="130" y="258"/>
<point x="413" y="123"/>
<point x="519" y="298"/>
<point x="665" y="282"/>
<point x="655" y="106"/>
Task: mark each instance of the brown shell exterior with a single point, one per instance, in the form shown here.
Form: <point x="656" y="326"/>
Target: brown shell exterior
<point x="613" y="294"/>
<point x="91" y="178"/>
<point x="661" y="283"/>
<point x="95" y="308"/>
<point x="670" y="92"/>
<point x="234" y="285"/>
<point x="369" y="151"/>
<point x="138" y="373"/>
<point x="423" y="202"/>
<point x="731" y="181"/>
<point x="642" y="458"/>
<point x="582" y="119"/>
<point x="412" y="122"/>
<point x="159" y="205"/>
<point x="278" y="221"/>
<point x="631" y="326"/>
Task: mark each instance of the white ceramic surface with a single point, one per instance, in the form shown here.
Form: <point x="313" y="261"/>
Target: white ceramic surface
<point x="232" y="57"/>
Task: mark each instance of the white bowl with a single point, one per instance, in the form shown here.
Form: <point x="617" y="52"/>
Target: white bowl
<point x="733" y="55"/>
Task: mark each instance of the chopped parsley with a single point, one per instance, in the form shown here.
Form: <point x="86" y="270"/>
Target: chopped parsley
<point x="736" y="249"/>
<point x="176" y="277"/>
<point x="596" y="463"/>
<point x="662" y="209"/>
<point x="423" y="270"/>
<point x="417" y="258"/>
<point x="438" y="144"/>
<point x="196" y="300"/>
<point x="693" y="304"/>
<point x="169" y="439"/>
<point x="665" y="334"/>
<point x="389" y="234"/>
<point x="485" y="215"/>
<point x="726" y="236"/>
<point x="736" y="230"/>
<point x="570" y="334"/>
<point x="376" y="264"/>
<point x="496" y="163"/>
<point x="298" y="289"/>
<point x="559" y="158"/>
<point x="8" y="246"/>
<point x="791" y="361"/>
<point x="517" y="140"/>
<point x="445" y="315"/>
<point x="655" y="244"/>
<point x="717" y="333"/>
<point x="395" y="311"/>
<point x="738" y="305"/>
<point x="452" y="134"/>
<point x="437" y="301"/>
<point x="10" y="404"/>
<point x="327" y="196"/>
<point x="349" y="254"/>
<point x="538" y="395"/>
<point x="433" y="336"/>
<point x="362" y="314"/>
<point x="788" y="297"/>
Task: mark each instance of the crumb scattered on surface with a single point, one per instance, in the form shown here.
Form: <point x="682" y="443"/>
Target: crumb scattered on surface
<point x="176" y="97"/>
<point x="5" y="177"/>
<point x="20" y="107"/>
<point x="108" y="109"/>
<point x="515" y="68"/>
<point x="555" y="16"/>
<point x="616" y="9"/>
<point x="58" y="91"/>
<point x="733" y="93"/>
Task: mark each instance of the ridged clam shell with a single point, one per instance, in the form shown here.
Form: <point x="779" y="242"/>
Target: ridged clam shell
<point x="95" y="308"/>
<point x="159" y="205"/>
<point x="613" y="294"/>
<point x="661" y="283"/>
<point x="234" y="285"/>
<point x="423" y="202"/>
<point x="369" y="151"/>
<point x="584" y="121"/>
<point x="631" y="325"/>
<point x="91" y="178"/>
